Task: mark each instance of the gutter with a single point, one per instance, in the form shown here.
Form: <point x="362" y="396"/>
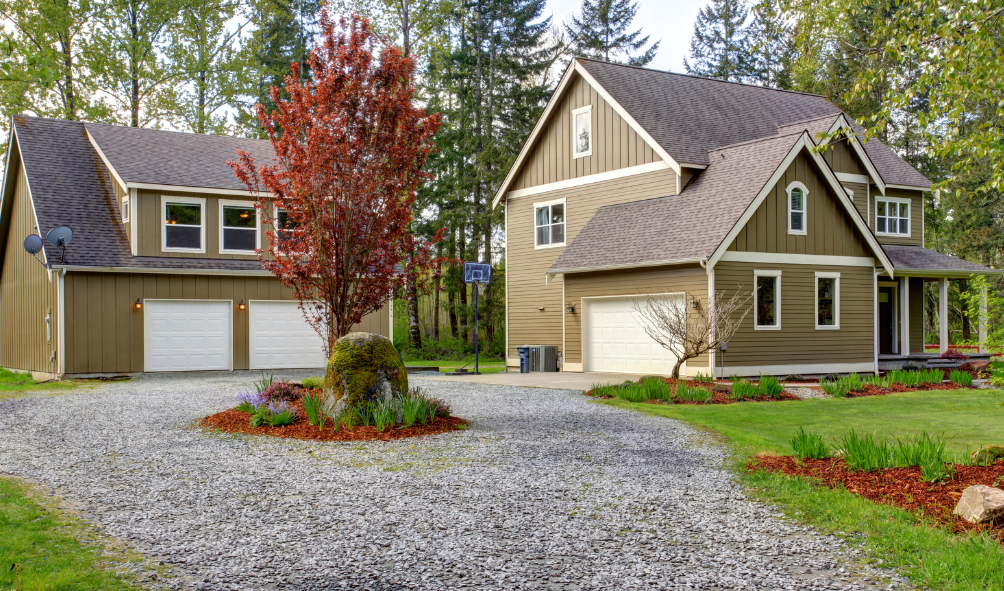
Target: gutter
<point x="702" y="261"/>
<point x="166" y="271"/>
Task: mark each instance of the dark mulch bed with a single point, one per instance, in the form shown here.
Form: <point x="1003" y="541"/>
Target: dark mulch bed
<point x="902" y="487"/>
<point x="870" y="390"/>
<point x="236" y="421"/>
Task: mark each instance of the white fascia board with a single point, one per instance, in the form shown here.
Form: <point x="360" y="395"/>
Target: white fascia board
<point x="847" y="177"/>
<point x="31" y="199"/>
<point x="210" y="190"/>
<point x="589" y="179"/>
<point x="859" y="149"/>
<point x="908" y="187"/>
<point x="781" y="258"/>
<point x="935" y="273"/>
<point x="111" y="169"/>
<point x="629" y="266"/>
<point x="153" y="270"/>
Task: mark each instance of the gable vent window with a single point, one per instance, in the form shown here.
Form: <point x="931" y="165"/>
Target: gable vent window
<point x="184" y="227"/>
<point x="549" y="224"/>
<point x="796" y="208"/>
<point x="582" y="132"/>
<point x="240" y="228"/>
<point x="892" y="217"/>
<point x="125" y="209"/>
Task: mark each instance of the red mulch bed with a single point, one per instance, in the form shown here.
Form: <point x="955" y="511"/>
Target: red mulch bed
<point x="870" y="390"/>
<point x="901" y="487"/>
<point x="236" y="421"/>
<point x="721" y="393"/>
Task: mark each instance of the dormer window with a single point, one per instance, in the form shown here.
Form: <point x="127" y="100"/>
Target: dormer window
<point x="892" y="216"/>
<point x="183" y="223"/>
<point x="796" y="208"/>
<point x="240" y="227"/>
<point x="582" y="132"/>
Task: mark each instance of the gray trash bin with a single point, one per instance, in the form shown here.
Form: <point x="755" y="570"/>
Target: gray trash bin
<point x="524" y="359"/>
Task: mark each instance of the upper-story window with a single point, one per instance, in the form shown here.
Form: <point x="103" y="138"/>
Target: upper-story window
<point x="796" y="207"/>
<point x="892" y="216"/>
<point x="582" y="132"/>
<point x="286" y="228"/>
<point x="549" y="224"/>
<point x="184" y="223"/>
<point x="125" y="208"/>
<point x="239" y="231"/>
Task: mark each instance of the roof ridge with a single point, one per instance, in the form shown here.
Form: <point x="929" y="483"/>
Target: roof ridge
<point x="587" y="59"/>
<point x="154" y="129"/>
<point x="831" y="116"/>
<point x="758" y="140"/>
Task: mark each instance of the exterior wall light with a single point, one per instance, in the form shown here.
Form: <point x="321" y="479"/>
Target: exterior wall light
<point x="570" y="308"/>
<point x="695" y="304"/>
<point x="138" y="305"/>
<point x="241" y="306"/>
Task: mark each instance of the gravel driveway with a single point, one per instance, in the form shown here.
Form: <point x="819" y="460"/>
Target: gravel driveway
<point x="544" y="491"/>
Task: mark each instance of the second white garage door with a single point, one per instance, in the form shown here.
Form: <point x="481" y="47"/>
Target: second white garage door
<point x="280" y="337"/>
<point x="186" y="335"/>
<point x="616" y="340"/>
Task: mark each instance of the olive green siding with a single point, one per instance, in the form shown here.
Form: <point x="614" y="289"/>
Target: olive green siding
<point x="691" y="279"/>
<point x="614" y="144"/>
<point x="27" y="293"/>
<point x="798" y="341"/>
<point x="526" y="266"/>
<point x="150" y="227"/>
<point x="916" y="217"/>
<point x="104" y="332"/>
<point x="916" y="312"/>
<point x="842" y="158"/>
<point x="829" y="228"/>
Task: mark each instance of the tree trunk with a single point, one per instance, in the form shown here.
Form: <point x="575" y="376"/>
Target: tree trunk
<point x="676" y="368"/>
<point x="414" y="330"/>
<point x="435" y="307"/>
<point x="70" y="99"/>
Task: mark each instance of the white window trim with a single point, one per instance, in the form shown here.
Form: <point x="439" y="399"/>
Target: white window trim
<point x="257" y="224"/>
<point x="805" y="208"/>
<point x="275" y="221"/>
<point x="164" y="200"/>
<point x="553" y="244"/>
<point x="850" y="193"/>
<point x="777" y="299"/>
<point x="836" y="300"/>
<point x="575" y="112"/>
<point x="125" y="209"/>
<point x="909" y="218"/>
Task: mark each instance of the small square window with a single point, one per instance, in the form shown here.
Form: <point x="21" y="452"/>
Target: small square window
<point x="549" y="224"/>
<point x="892" y="217"/>
<point x="582" y="132"/>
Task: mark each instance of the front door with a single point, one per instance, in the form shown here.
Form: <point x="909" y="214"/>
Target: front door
<point x="887" y="319"/>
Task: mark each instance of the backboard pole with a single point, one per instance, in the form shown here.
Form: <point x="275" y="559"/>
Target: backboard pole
<point x="477" y="333"/>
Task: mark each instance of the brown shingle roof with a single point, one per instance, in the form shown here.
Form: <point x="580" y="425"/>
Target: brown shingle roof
<point x="689" y="116"/>
<point x="688" y="226"/>
<point x="159" y="157"/>
<point x="918" y="258"/>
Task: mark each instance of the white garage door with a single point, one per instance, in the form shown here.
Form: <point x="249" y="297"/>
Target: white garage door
<point x="616" y="340"/>
<point x="280" y="337"/>
<point x="186" y="335"/>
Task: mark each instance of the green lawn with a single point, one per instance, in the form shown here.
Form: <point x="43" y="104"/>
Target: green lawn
<point x="47" y="545"/>
<point x="13" y="382"/>
<point x="486" y="366"/>
<point x="969" y="418"/>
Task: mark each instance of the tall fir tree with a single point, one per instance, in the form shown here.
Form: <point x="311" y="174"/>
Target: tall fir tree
<point x="600" y="31"/>
<point x="720" y="47"/>
<point x="771" y="46"/>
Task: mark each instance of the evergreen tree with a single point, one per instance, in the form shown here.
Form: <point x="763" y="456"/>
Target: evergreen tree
<point x="600" y="31"/>
<point x="720" y="48"/>
<point x="771" y="46"/>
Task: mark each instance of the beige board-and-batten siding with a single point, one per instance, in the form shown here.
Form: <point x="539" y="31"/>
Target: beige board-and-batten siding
<point x="27" y="294"/>
<point x="615" y="144"/>
<point x="104" y="332"/>
<point x="689" y="279"/>
<point x="799" y="343"/>
<point x="526" y="292"/>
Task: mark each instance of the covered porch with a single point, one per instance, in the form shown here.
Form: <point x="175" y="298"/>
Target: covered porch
<point x="899" y="306"/>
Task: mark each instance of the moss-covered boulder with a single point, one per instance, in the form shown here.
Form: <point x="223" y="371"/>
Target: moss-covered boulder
<point x="988" y="454"/>
<point x="363" y="367"/>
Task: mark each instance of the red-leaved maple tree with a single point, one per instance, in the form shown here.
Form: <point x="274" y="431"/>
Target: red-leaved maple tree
<point x="349" y="147"/>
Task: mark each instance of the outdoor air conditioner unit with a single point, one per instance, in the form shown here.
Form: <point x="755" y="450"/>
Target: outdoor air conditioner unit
<point x="543" y="358"/>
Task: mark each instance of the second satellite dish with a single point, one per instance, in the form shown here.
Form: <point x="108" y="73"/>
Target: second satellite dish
<point x="60" y="236"/>
<point x="33" y="244"/>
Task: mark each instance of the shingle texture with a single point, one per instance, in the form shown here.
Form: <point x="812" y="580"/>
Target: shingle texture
<point x="70" y="186"/>
<point x="688" y="226"/>
<point x="160" y="157"/>
<point x="690" y="116"/>
<point x="919" y="258"/>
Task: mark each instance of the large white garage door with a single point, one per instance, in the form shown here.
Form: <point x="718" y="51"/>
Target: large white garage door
<point x="280" y="337"/>
<point x="186" y="335"/>
<point x="616" y="340"/>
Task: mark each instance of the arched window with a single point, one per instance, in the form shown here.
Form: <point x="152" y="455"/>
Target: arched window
<point x="797" y="194"/>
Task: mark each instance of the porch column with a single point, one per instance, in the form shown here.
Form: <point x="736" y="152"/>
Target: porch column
<point x="983" y="319"/>
<point x="904" y="316"/>
<point x="943" y="313"/>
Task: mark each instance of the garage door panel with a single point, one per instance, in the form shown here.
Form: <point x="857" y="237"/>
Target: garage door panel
<point x="281" y="338"/>
<point x="187" y="335"/>
<point x="616" y="340"/>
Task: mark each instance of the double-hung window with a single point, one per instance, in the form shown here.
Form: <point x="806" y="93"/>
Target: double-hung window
<point x="184" y="223"/>
<point x="239" y="231"/>
<point x="892" y="216"/>
<point x="549" y="224"/>
<point x="286" y="229"/>
<point x="796" y="207"/>
<point x="582" y="132"/>
<point x="827" y="300"/>
<point x="767" y="308"/>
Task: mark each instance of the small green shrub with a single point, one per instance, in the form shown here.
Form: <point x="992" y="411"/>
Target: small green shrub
<point x="837" y="388"/>
<point x="863" y="453"/>
<point x="962" y="378"/>
<point x="631" y="393"/>
<point x="877" y="381"/>
<point x="281" y="390"/>
<point x="656" y="389"/>
<point x="698" y="394"/>
<point x="743" y="390"/>
<point x="927" y="452"/>
<point x="769" y="386"/>
<point x="809" y="445"/>
<point x="912" y="379"/>
<point x="704" y="378"/>
<point x="313" y="382"/>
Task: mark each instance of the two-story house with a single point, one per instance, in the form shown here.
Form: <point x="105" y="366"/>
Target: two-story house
<point x="636" y="181"/>
<point x="160" y="273"/>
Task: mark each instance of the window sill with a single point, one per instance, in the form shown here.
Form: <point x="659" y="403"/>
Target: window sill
<point x="170" y="249"/>
<point x="888" y="235"/>
<point x="582" y="155"/>
<point x="543" y="246"/>
<point x="835" y="327"/>
<point x="797" y="233"/>
<point x="767" y="327"/>
<point x="251" y="252"/>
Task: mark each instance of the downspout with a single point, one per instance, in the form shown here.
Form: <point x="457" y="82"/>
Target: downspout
<point x="61" y="305"/>
<point x="711" y="311"/>
<point x="875" y="318"/>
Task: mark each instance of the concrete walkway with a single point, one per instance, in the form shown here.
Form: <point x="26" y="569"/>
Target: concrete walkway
<point x="561" y="380"/>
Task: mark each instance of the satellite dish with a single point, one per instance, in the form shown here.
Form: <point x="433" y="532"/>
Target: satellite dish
<point x="33" y="244"/>
<point x="60" y="236"/>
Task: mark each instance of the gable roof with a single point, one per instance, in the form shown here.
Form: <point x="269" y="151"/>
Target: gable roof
<point x="71" y="186"/>
<point x="140" y="156"/>
<point x="910" y="260"/>
<point x="699" y="223"/>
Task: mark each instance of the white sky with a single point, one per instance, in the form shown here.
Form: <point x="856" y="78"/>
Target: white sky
<point x="669" y="20"/>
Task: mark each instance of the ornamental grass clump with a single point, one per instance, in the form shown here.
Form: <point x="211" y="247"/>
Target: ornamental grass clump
<point x="863" y="453"/>
<point x="384" y="413"/>
<point x="704" y="378"/>
<point x="313" y="406"/>
<point x="836" y="388"/>
<point x="962" y="378"/>
<point x="809" y="445"/>
<point x="631" y="392"/>
<point x="912" y="379"/>
<point x="656" y="389"/>
<point x="929" y="453"/>
<point x="275" y="414"/>
<point x="743" y="389"/>
<point x="769" y="386"/>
